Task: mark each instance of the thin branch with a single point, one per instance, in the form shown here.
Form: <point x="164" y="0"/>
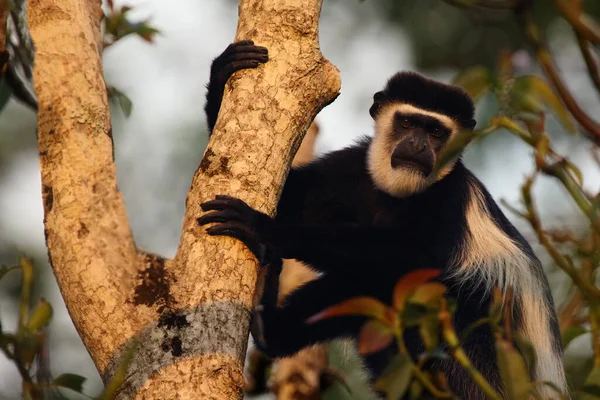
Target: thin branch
<point x="572" y="14"/>
<point x="544" y="57"/>
<point x="460" y="356"/>
<point x="556" y="170"/>
<point x="418" y="373"/>
<point x="590" y="62"/>
<point x="587" y="288"/>
<point x="583" y="202"/>
<point x="595" y="326"/>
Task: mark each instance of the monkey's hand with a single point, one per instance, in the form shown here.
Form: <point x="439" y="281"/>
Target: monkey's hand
<point x="236" y="219"/>
<point x="239" y="55"/>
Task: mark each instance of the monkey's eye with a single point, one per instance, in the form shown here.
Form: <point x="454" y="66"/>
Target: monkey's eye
<point x="405" y="123"/>
<point x="437" y="132"/>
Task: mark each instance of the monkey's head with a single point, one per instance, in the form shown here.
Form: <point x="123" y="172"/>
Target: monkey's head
<point x="414" y="118"/>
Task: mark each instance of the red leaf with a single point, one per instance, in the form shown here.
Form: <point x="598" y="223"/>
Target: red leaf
<point x="374" y="336"/>
<point x="407" y="285"/>
<point x="367" y="306"/>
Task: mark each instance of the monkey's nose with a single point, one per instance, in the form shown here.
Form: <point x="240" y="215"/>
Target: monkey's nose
<point x="418" y="146"/>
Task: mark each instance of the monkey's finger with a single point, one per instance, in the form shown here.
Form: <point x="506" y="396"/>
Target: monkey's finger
<point x="249" y="54"/>
<point x="243" y="234"/>
<point x="234" y="45"/>
<point x="234" y="202"/>
<point x="244" y="47"/>
<point x="212" y="205"/>
<point x="235" y="66"/>
<point x="220" y="216"/>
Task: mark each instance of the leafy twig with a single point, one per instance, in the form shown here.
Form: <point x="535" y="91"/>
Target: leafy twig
<point x="572" y="14"/>
<point x="417" y="372"/>
<point x="459" y="354"/>
<point x="587" y="288"/>
<point x="544" y="57"/>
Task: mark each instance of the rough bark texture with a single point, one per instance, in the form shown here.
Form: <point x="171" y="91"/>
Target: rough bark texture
<point x="3" y="53"/>
<point x="87" y="233"/>
<point x="260" y="126"/>
<point x="189" y="316"/>
<point x="3" y="15"/>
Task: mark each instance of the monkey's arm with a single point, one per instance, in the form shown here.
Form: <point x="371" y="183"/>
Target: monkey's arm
<point x="282" y="330"/>
<point x="328" y="248"/>
<point x="240" y="55"/>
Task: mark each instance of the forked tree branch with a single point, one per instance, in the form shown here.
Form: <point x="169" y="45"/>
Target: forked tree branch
<point x="190" y="315"/>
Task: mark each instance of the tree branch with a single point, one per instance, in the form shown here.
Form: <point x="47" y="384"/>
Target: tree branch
<point x="3" y="52"/>
<point x="211" y="282"/>
<point x="189" y="316"/>
<point x="533" y="36"/>
<point x="87" y="233"/>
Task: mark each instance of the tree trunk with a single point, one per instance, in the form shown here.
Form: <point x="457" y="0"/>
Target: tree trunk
<point x="189" y="316"/>
<point x="3" y="52"/>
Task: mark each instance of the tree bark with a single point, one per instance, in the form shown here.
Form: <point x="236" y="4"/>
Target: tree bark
<point x="3" y="52"/>
<point x="188" y="316"/>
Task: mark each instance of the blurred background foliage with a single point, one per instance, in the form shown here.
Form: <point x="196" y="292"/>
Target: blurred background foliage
<point x="160" y="133"/>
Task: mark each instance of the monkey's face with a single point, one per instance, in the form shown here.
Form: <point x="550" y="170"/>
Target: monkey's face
<point x="406" y="145"/>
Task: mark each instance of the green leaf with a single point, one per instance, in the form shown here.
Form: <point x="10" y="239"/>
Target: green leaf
<point x="26" y="284"/>
<point x="124" y="102"/>
<point x="592" y="383"/>
<point x="513" y="371"/>
<point x="145" y="31"/>
<point x="571" y="334"/>
<point x="533" y="89"/>
<point x="70" y="381"/>
<point x="452" y="150"/>
<point x="429" y="293"/>
<point x="29" y="347"/>
<point x="40" y="317"/>
<point x="573" y="168"/>
<point x="395" y="382"/>
<point x="374" y="336"/>
<point x="413" y="314"/>
<point x="120" y="372"/>
<point x="527" y="349"/>
<point x="416" y="390"/>
<point x="366" y="306"/>
<point x="476" y="81"/>
<point x="429" y="329"/>
<point x="409" y="283"/>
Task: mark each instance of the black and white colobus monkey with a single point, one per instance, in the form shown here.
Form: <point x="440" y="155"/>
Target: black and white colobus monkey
<point x="366" y="215"/>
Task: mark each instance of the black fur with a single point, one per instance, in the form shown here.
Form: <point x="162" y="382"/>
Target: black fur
<point x="415" y="89"/>
<point x="239" y="55"/>
<point x="332" y="217"/>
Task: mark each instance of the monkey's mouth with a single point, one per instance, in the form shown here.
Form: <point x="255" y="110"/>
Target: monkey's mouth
<point x="413" y="164"/>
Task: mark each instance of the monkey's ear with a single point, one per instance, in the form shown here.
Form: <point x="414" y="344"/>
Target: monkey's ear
<point x="378" y="99"/>
<point x="379" y="96"/>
